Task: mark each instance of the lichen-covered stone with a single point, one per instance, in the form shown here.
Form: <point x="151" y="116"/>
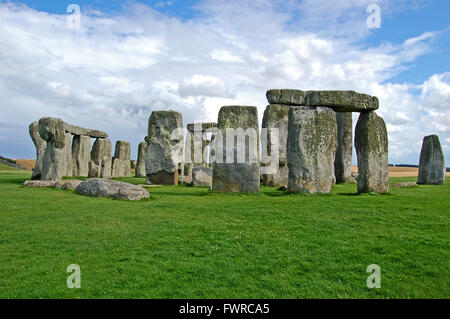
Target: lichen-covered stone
<point x="81" y="155"/>
<point x="97" y="187"/>
<point x="100" y="164"/>
<point x="371" y="142"/>
<point x="40" y="145"/>
<point x="276" y="117"/>
<point x="432" y="163"/>
<point x="236" y="176"/>
<point x="140" y="163"/>
<point x="339" y="101"/>
<point x="165" y="140"/>
<point x="121" y="162"/>
<point x="312" y="145"/>
<point x="343" y="160"/>
<point x="202" y="176"/>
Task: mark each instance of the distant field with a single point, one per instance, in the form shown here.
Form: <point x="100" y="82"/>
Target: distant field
<point x="187" y="242"/>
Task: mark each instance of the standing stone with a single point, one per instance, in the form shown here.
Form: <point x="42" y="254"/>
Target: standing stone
<point x="55" y="157"/>
<point x="311" y="149"/>
<point x="371" y="142"/>
<point x="101" y="159"/>
<point x="140" y="164"/>
<point x="68" y="155"/>
<point x="202" y="176"/>
<point x="121" y="161"/>
<point x="276" y="117"/>
<point x="164" y="156"/>
<point x="236" y="167"/>
<point x="432" y="163"/>
<point x="343" y="161"/>
<point x="40" y="145"/>
<point x="81" y="155"/>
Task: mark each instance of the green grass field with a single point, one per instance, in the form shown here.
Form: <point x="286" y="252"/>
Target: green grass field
<point x="187" y="242"/>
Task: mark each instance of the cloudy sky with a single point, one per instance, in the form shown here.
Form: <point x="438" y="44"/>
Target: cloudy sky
<point x="128" y="58"/>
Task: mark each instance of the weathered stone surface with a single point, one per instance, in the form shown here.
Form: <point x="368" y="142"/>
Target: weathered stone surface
<point x="140" y="164"/>
<point x="204" y="126"/>
<point x="405" y="185"/>
<point x="97" y="187"/>
<point x="81" y="155"/>
<point x="100" y="164"/>
<point x="76" y="130"/>
<point x="39" y="184"/>
<point x="241" y="172"/>
<point x="52" y="130"/>
<point x="69" y="184"/>
<point x="40" y="145"/>
<point x="311" y="149"/>
<point x="68" y="155"/>
<point x="187" y="180"/>
<point x="286" y="96"/>
<point x="121" y="161"/>
<point x="202" y="176"/>
<point x="343" y="160"/>
<point x="371" y="142"/>
<point x="54" y="162"/>
<point x="432" y="163"/>
<point x="164" y="156"/>
<point x="339" y="101"/>
<point x="276" y="117"/>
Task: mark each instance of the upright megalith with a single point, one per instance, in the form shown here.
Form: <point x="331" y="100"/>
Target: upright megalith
<point x="237" y="167"/>
<point x="311" y="149"/>
<point x="371" y="142"/>
<point x="40" y="145"/>
<point x="121" y="165"/>
<point x="199" y="142"/>
<point x="274" y="167"/>
<point x="164" y="156"/>
<point x="54" y="165"/>
<point x="68" y="155"/>
<point x="343" y="160"/>
<point x="81" y="155"/>
<point x="432" y="163"/>
<point x="140" y="163"/>
<point x="101" y="159"/>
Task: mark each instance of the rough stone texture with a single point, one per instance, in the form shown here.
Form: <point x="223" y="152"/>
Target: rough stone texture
<point x="76" y="130"/>
<point x="343" y="160"/>
<point x="40" y="145"/>
<point x="81" y="155"/>
<point x="39" y="184"/>
<point x="68" y="155"/>
<point x="340" y="101"/>
<point x="164" y="156"/>
<point x="311" y="149"/>
<point x="140" y="164"/>
<point x="371" y="142"/>
<point x="187" y="180"/>
<point x="69" y="184"/>
<point x="405" y="185"/>
<point x="97" y="187"/>
<point x="276" y="116"/>
<point x="197" y="143"/>
<point x="202" y="176"/>
<point x="286" y="96"/>
<point x="237" y="177"/>
<point x="101" y="159"/>
<point x="121" y="162"/>
<point x="204" y="126"/>
<point x="432" y="163"/>
<point x="55" y="157"/>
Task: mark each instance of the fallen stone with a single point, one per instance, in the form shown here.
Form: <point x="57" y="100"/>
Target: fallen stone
<point x="311" y="149"/>
<point x="68" y="184"/>
<point x="202" y="176"/>
<point x="39" y="184"/>
<point x="432" y="163"/>
<point x="405" y="185"/>
<point x="371" y="142"/>
<point x="343" y="160"/>
<point x="97" y="187"/>
<point x="241" y="172"/>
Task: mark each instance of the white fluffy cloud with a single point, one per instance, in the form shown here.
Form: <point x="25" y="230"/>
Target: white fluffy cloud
<point x="115" y="70"/>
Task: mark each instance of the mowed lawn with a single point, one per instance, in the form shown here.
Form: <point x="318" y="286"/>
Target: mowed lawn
<point x="187" y="242"/>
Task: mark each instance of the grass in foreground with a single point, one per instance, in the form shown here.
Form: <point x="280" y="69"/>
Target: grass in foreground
<point x="187" y="242"/>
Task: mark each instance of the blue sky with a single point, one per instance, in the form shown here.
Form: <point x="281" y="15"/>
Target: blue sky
<point x="132" y="57"/>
